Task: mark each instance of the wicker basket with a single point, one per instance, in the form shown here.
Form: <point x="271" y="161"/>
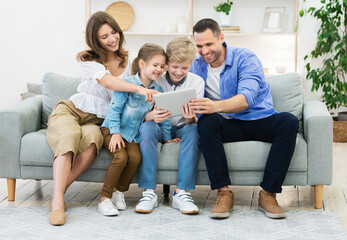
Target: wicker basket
<point x="340" y="131"/>
<point x="123" y="13"/>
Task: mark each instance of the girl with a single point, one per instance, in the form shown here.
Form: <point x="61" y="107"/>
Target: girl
<point x="121" y="126"/>
<point x="73" y="128"/>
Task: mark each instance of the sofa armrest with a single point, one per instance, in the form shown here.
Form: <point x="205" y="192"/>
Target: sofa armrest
<point x="16" y="121"/>
<point x="318" y="131"/>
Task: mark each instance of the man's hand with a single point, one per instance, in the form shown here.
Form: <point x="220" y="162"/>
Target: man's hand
<point x="188" y="113"/>
<point x="203" y="105"/>
<point x="176" y="140"/>
<point x="160" y="115"/>
<point x="116" y="140"/>
<point x="148" y="93"/>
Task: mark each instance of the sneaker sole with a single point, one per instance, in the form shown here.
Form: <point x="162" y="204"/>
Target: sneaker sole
<point x="143" y="211"/>
<point x="189" y="212"/>
<point x="175" y="206"/>
<point x="121" y="209"/>
<point x="146" y="211"/>
<point x="273" y="215"/>
<point x="108" y="215"/>
<point x="221" y="215"/>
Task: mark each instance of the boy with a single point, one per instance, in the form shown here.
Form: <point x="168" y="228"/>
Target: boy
<point x="180" y="55"/>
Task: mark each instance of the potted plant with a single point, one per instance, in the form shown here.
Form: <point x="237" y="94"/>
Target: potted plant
<point x="223" y="9"/>
<point x="331" y="50"/>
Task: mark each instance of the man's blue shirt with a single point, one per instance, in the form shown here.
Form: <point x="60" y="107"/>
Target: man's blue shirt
<point x="243" y="74"/>
<point x="127" y="111"/>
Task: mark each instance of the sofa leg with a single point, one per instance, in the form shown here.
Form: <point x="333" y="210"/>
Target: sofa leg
<point x="11" y="188"/>
<point x="166" y="190"/>
<point x="318" y="196"/>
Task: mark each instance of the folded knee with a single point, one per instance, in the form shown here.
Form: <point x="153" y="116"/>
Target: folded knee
<point x="148" y="129"/>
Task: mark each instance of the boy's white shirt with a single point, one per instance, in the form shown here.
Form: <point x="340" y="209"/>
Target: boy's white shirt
<point x="192" y="81"/>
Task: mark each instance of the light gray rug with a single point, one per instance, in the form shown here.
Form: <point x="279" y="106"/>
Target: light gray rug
<point x="167" y="223"/>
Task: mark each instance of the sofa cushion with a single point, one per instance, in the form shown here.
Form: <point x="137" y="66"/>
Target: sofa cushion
<point x="238" y="156"/>
<point x="287" y="93"/>
<point x="35" y="151"/>
<point x="55" y="88"/>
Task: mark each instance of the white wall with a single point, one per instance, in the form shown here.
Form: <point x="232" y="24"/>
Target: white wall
<point x="37" y="36"/>
<point x="40" y="36"/>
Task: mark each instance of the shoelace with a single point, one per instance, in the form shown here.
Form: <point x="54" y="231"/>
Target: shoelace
<point x="271" y="198"/>
<point x="120" y="197"/>
<point x="147" y="196"/>
<point x="186" y="197"/>
<point x="109" y="204"/>
<point x="222" y="199"/>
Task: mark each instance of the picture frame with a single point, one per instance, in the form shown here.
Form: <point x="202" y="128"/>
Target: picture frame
<point x="273" y="19"/>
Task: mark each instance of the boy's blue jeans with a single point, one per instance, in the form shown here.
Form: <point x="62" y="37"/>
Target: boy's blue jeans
<point x="150" y="135"/>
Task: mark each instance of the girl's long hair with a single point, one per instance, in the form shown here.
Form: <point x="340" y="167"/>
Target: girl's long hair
<point x="96" y="52"/>
<point x="146" y="52"/>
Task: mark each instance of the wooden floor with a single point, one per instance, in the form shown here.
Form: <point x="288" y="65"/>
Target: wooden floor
<point x="81" y="194"/>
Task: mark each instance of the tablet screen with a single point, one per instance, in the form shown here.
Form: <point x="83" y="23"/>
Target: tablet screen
<point x="172" y="101"/>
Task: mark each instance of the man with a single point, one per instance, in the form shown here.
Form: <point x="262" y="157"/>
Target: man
<point x="238" y="107"/>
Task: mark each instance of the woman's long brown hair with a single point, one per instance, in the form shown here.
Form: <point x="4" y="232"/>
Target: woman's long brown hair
<point x="96" y="52"/>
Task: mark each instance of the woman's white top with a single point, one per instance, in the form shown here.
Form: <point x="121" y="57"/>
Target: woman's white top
<point x="192" y="81"/>
<point x="93" y="97"/>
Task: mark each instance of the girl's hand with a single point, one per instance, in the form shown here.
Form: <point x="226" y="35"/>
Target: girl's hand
<point x="176" y="140"/>
<point x="188" y="113"/>
<point x="160" y="115"/>
<point x="116" y="140"/>
<point x="148" y="93"/>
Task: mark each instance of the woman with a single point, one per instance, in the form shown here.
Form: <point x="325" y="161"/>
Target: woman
<point x="73" y="128"/>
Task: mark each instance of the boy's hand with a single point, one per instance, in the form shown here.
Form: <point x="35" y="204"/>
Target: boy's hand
<point x="188" y="113"/>
<point x="116" y="140"/>
<point x="176" y="140"/>
<point x="148" y="93"/>
<point x="160" y="115"/>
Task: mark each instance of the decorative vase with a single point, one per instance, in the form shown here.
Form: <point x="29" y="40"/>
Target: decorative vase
<point x="224" y="20"/>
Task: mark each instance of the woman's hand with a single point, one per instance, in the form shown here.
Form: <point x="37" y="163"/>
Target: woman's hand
<point x="188" y="113"/>
<point x="148" y="93"/>
<point x="116" y="140"/>
<point x="160" y="115"/>
<point x="176" y="140"/>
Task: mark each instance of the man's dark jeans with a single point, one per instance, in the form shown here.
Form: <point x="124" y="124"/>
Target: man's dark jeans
<point x="279" y="129"/>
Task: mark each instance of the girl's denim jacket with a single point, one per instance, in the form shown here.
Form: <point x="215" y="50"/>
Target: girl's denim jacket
<point x="127" y="112"/>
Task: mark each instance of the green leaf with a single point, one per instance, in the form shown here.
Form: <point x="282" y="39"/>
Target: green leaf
<point x="296" y="28"/>
<point x="302" y="12"/>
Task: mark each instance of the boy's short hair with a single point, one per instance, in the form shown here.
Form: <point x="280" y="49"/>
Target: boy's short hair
<point x="180" y="50"/>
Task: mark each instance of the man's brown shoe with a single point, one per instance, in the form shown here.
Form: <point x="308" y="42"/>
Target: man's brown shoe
<point x="224" y="205"/>
<point x="268" y="204"/>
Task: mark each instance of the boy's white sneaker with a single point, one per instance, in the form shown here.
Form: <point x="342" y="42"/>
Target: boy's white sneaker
<point x="184" y="202"/>
<point x="107" y="208"/>
<point x="118" y="200"/>
<point x="148" y="201"/>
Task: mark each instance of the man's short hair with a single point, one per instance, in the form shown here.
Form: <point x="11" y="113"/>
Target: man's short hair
<point x="207" y="23"/>
<point x="180" y="50"/>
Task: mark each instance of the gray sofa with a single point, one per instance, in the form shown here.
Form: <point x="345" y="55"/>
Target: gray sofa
<point x="25" y="154"/>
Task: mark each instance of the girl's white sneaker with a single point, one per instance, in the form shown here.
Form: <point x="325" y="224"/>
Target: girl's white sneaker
<point x="107" y="208"/>
<point x="118" y="200"/>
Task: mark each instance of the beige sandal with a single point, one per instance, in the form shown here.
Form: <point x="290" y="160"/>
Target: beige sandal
<point x="57" y="217"/>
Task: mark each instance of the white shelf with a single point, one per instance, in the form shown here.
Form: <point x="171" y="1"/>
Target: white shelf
<point x="153" y="16"/>
<point x="157" y="33"/>
<point x="258" y="34"/>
